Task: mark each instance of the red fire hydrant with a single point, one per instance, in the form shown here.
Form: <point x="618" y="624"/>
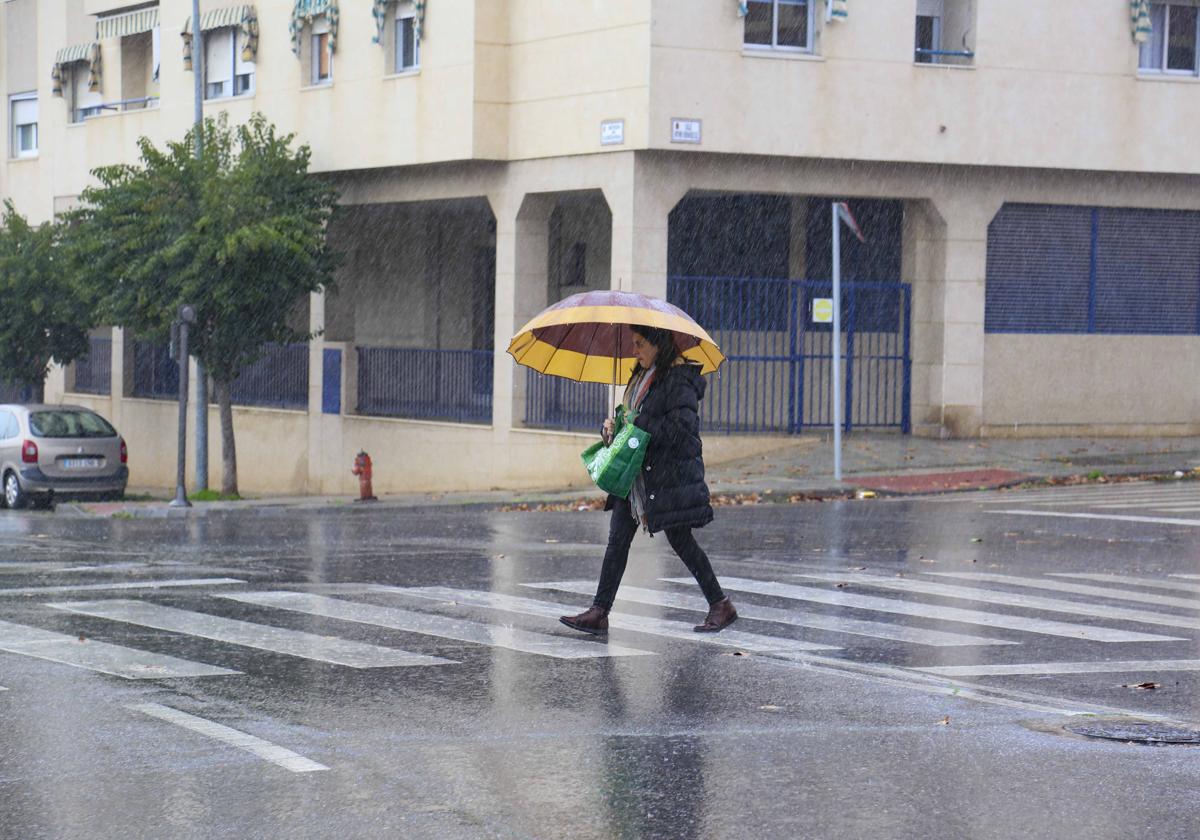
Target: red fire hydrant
<point x="362" y="469"/>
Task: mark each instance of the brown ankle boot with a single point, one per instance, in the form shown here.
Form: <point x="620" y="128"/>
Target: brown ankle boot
<point x="720" y="615"/>
<point x="593" y="620"/>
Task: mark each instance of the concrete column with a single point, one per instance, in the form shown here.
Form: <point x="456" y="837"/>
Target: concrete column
<point x="641" y="199"/>
<point x="117" y="390"/>
<point x="318" y="434"/>
<point x="959" y="245"/>
<point x="798" y="238"/>
<point x="522" y="264"/>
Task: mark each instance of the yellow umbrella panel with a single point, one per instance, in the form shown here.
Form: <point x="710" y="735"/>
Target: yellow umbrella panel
<point x="586" y="337"/>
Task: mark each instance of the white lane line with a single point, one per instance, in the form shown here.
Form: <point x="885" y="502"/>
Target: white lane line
<point x="1107" y="492"/>
<point x="1158" y="583"/>
<point x="1187" y="577"/>
<point x="1153" y="520"/>
<point x="892" y="605"/>
<point x="265" y="750"/>
<point x="1008" y="599"/>
<point x="1139" y="666"/>
<point x="139" y="584"/>
<point x="1076" y="588"/>
<point x="436" y="625"/>
<point x="260" y="636"/>
<point x="621" y="621"/>
<point x="105" y="658"/>
<point x="1159" y="504"/>
<point x="835" y="624"/>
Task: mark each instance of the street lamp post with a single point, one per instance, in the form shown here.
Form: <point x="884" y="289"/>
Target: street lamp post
<point x="198" y="121"/>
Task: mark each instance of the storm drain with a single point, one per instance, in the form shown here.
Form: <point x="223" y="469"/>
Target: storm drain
<point x="1135" y="731"/>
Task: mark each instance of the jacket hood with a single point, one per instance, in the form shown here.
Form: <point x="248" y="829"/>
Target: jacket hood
<point x="690" y="374"/>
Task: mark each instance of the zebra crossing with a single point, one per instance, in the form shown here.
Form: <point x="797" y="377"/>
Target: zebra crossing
<point x="830" y="612"/>
<point x="896" y="630"/>
<point x="1163" y="503"/>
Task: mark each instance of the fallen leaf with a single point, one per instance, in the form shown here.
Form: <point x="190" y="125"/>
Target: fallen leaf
<point x="944" y="721"/>
<point x="550" y="541"/>
<point x="769" y="708"/>
<point x="1146" y="686"/>
<point x="976" y="539"/>
<point x="82" y="638"/>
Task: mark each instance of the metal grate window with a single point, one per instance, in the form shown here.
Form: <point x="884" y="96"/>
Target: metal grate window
<point x="1062" y="269"/>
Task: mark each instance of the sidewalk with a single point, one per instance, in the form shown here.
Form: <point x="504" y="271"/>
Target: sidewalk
<point x="801" y="469"/>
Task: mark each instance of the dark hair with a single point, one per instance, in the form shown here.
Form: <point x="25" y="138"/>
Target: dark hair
<point x="663" y="342"/>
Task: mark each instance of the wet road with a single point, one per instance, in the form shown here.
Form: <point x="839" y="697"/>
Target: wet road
<point x="901" y="669"/>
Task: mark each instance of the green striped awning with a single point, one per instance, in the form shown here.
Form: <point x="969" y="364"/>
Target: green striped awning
<point x="130" y="23"/>
<point x="79" y="52"/>
<point x="220" y="18"/>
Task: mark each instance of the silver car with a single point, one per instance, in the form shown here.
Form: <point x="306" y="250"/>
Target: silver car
<point x="52" y="451"/>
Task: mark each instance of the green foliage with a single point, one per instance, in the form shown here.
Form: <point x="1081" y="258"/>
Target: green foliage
<point x="238" y="233"/>
<point x="214" y="496"/>
<point x="43" y="315"/>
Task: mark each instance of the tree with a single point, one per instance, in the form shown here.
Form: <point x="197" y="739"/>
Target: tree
<point x="238" y="233"/>
<point x="44" y="316"/>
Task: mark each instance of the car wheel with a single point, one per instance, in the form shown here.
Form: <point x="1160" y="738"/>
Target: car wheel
<point x="14" y="497"/>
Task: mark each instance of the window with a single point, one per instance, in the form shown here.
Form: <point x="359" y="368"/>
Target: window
<point x="1114" y="270"/>
<point x="945" y="32"/>
<point x="84" y="103"/>
<point x="225" y="73"/>
<point x="929" y="31"/>
<point x="407" y="46"/>
<point x="23" y="117"/>
<point x="322" y="59"/>
<point x="779" y="24"/>
<point x="1172" y="44"/>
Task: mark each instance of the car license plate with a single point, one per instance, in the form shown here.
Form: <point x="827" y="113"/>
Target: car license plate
<point x="80" y="463"/>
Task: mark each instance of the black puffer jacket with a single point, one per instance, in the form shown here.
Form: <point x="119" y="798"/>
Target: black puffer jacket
<point x="674" y="468"/>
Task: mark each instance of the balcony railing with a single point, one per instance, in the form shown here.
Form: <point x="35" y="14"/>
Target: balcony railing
<point x="118" y="106"/>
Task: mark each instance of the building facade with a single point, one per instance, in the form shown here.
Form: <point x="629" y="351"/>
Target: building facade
<point x="1023" y="172"/>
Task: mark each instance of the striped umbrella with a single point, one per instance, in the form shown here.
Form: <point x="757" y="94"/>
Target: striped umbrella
<point x="587" y="337"/>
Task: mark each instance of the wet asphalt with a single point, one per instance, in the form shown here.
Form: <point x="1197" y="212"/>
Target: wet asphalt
<point x="841" y="737"/>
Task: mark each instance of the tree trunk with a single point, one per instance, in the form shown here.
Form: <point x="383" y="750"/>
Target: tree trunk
<point x="37" y="391"/>
<point x="229" y="482"/>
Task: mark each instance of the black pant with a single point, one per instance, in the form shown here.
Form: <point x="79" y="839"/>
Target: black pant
<point x="621" y="530"/>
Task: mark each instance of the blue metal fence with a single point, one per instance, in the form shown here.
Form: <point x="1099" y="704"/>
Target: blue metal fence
<point x="11" y="392"/>
<point x="555" y="403"/>
<point x="277" y="380"/>
<point x="778" y="377"/>
<point x="418" y="383"/>
<point x="155" y="373"/>
<point x="93" y="372"/>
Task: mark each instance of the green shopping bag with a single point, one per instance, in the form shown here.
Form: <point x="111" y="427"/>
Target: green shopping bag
<point x="615" y="467"/>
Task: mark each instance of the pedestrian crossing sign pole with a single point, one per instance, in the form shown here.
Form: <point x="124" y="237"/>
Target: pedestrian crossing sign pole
<point x="841" y="213"/>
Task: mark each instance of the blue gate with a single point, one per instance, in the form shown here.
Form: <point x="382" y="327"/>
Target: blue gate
<point x="779" y="374"/>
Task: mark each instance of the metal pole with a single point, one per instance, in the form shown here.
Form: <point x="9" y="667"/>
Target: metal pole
<point x="186" y="316"/>
<point x="837" y="343"/>
<point x="198" y="122"/>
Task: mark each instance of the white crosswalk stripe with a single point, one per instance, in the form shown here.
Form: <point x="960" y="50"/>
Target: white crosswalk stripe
<point x="265" y="750"/>
<point x="964" y="616"/>
<point x="1144" y="666"/>
<point x="1009" y="599"/>
<point x="835" y="624"/>
<point x="261" y="636"/>
<point x="753" y="642"/>
<point x="1159" y="583"/>
<point x="436" y="625"/>
<point x="1076" y="588"/>
<point x="1112" y="517"/>
<point x="136" y="584"/>
<point x="129" y="663"/>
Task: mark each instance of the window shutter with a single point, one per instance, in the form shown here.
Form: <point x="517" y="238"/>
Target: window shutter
<point x="218" y="56"/>
<point x="25" y="111"/>
<point x="1038" y="266"/>
<point x="1147" y="271"/>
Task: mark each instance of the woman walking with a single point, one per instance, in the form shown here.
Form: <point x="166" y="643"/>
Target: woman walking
<point x="670" y="494"/>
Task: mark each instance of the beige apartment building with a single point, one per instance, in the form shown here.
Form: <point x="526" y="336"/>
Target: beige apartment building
<point x="1025" y="173"/>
